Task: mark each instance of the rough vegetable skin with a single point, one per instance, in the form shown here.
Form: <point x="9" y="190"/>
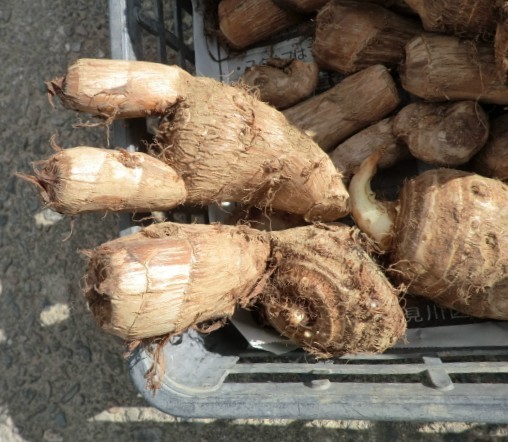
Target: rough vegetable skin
<point x="353" y="35"/>
<point x="356" y="102"/>
<point x="170" y="277"/>
<point x="228" y="146"/>
<point x="302" y="6"/>
<point x="445" y="239"/>
<point x="492" y="160"/>
<point x="443" y="68"/>
<point x="87" y="179"/>
<point x="120" y="89"/>
<point x="451" y="242"/>
<point x="348" y="156"/>
<point x="282" y="83"/>
<point x="464" y="18"/>
<point x="327" y="295"/>
<point x="443" y="134"/>
<point x="246" y="22"/>
<point x="224" y="143"/>
<point x="501" y="45"/>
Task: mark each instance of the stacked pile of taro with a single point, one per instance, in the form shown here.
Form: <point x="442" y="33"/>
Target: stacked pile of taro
<point x="421" y="79"/>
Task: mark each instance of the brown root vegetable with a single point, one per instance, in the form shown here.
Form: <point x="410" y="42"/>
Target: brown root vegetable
<point x="445" y="238"/>
<point x="87" y="179"/>
<point x="120" y="89"/>
<point x="398" y="6"/>
<point x="464" y="18"/>
<point x="170" y="277"/>
<point x="353" y="35"/>
<point x="348" y="155"/>
<point x="356" y="102"/>
<point x="442" y="68"/>
<point x="443" y="135"/>
<point x="226" y="144"/>
<point x="282" y="83"/>
<point x="246" y="22"/>
<point x="501" y="46"/>
<point x="492" y="160"/>
<point x="327" y="295"/>
<point x="302" y="6"/>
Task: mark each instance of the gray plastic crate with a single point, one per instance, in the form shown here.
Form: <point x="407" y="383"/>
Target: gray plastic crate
<point x="220" y="376"/>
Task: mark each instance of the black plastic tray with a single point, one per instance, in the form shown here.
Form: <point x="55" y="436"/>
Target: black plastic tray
<point x="219" y="376"/>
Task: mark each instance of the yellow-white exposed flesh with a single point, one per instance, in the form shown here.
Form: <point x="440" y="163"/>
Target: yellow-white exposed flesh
<point x="372" y="216"/>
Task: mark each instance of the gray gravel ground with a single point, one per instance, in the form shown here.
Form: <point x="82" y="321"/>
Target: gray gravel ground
<point x="60" y="378"/>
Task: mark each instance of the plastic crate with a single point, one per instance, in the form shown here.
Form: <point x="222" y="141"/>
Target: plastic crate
<point x="220" y="376"/>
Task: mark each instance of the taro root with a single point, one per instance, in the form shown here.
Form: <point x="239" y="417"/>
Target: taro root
<point x="492" y="160"/>
<point x="353" y="35"/>
<point x="87" y="179"/>
<point x="282" y="83"/>
<point x="246" y="22"/>
<point x="224" y="143"/>
<point x="356" y="102"/>
<point x="327" y="295"/>
<point x="464" y="18"/>
<point x="443" y="134"/>
<point x="170" y="277"/>
<point x="302" y="6"/>
<point x="348" y="155"/>
<point x="442" y="68"/>
<point x="446" y="238"/>
<point x="501" y="45"/>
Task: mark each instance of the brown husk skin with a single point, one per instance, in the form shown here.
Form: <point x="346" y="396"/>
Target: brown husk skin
<point x="348" y="156"/>
<point x="451" y="242"/>
<point x="246" y="22"/>
<point x="501" y="45"/>
<point x="356" y="102"/>
<point x="282" y="83"/>
<point x="170" y="277"/>
<point x="327" y="295"/>
<point x="302" y="6"/>
<point x="464" y="18"/>
<point x="229" y="146"/>
<point x="224" y="143"/>
<point x="443" y="68"/>
<point x="87" y="179"/>
<point x="120" y="88"/>
<point x="353" y="35"/>
<point x="492" y="160"/>
<point x="443" y="134"/>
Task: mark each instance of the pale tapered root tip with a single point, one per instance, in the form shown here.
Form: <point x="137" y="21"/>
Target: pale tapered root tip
<point x="373" y="217"/>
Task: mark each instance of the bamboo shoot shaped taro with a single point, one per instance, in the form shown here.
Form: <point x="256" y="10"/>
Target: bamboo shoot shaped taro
<point x="464" y="18"/>
<point x="246" y="22"/>
<point x="443" y="68"/>
<point x="327" y="295"/>
<point x="87" y="179"/>
<point x="353" y="35"/>
<point x="282" y="83"/>
<point x="353" y="104"/>
<point x="170" y="277"/>
<point x="446" y="238"/>
<point x="302" y="6"/>
<point x="224" y="143"/>
<point x="501" y="44"/>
